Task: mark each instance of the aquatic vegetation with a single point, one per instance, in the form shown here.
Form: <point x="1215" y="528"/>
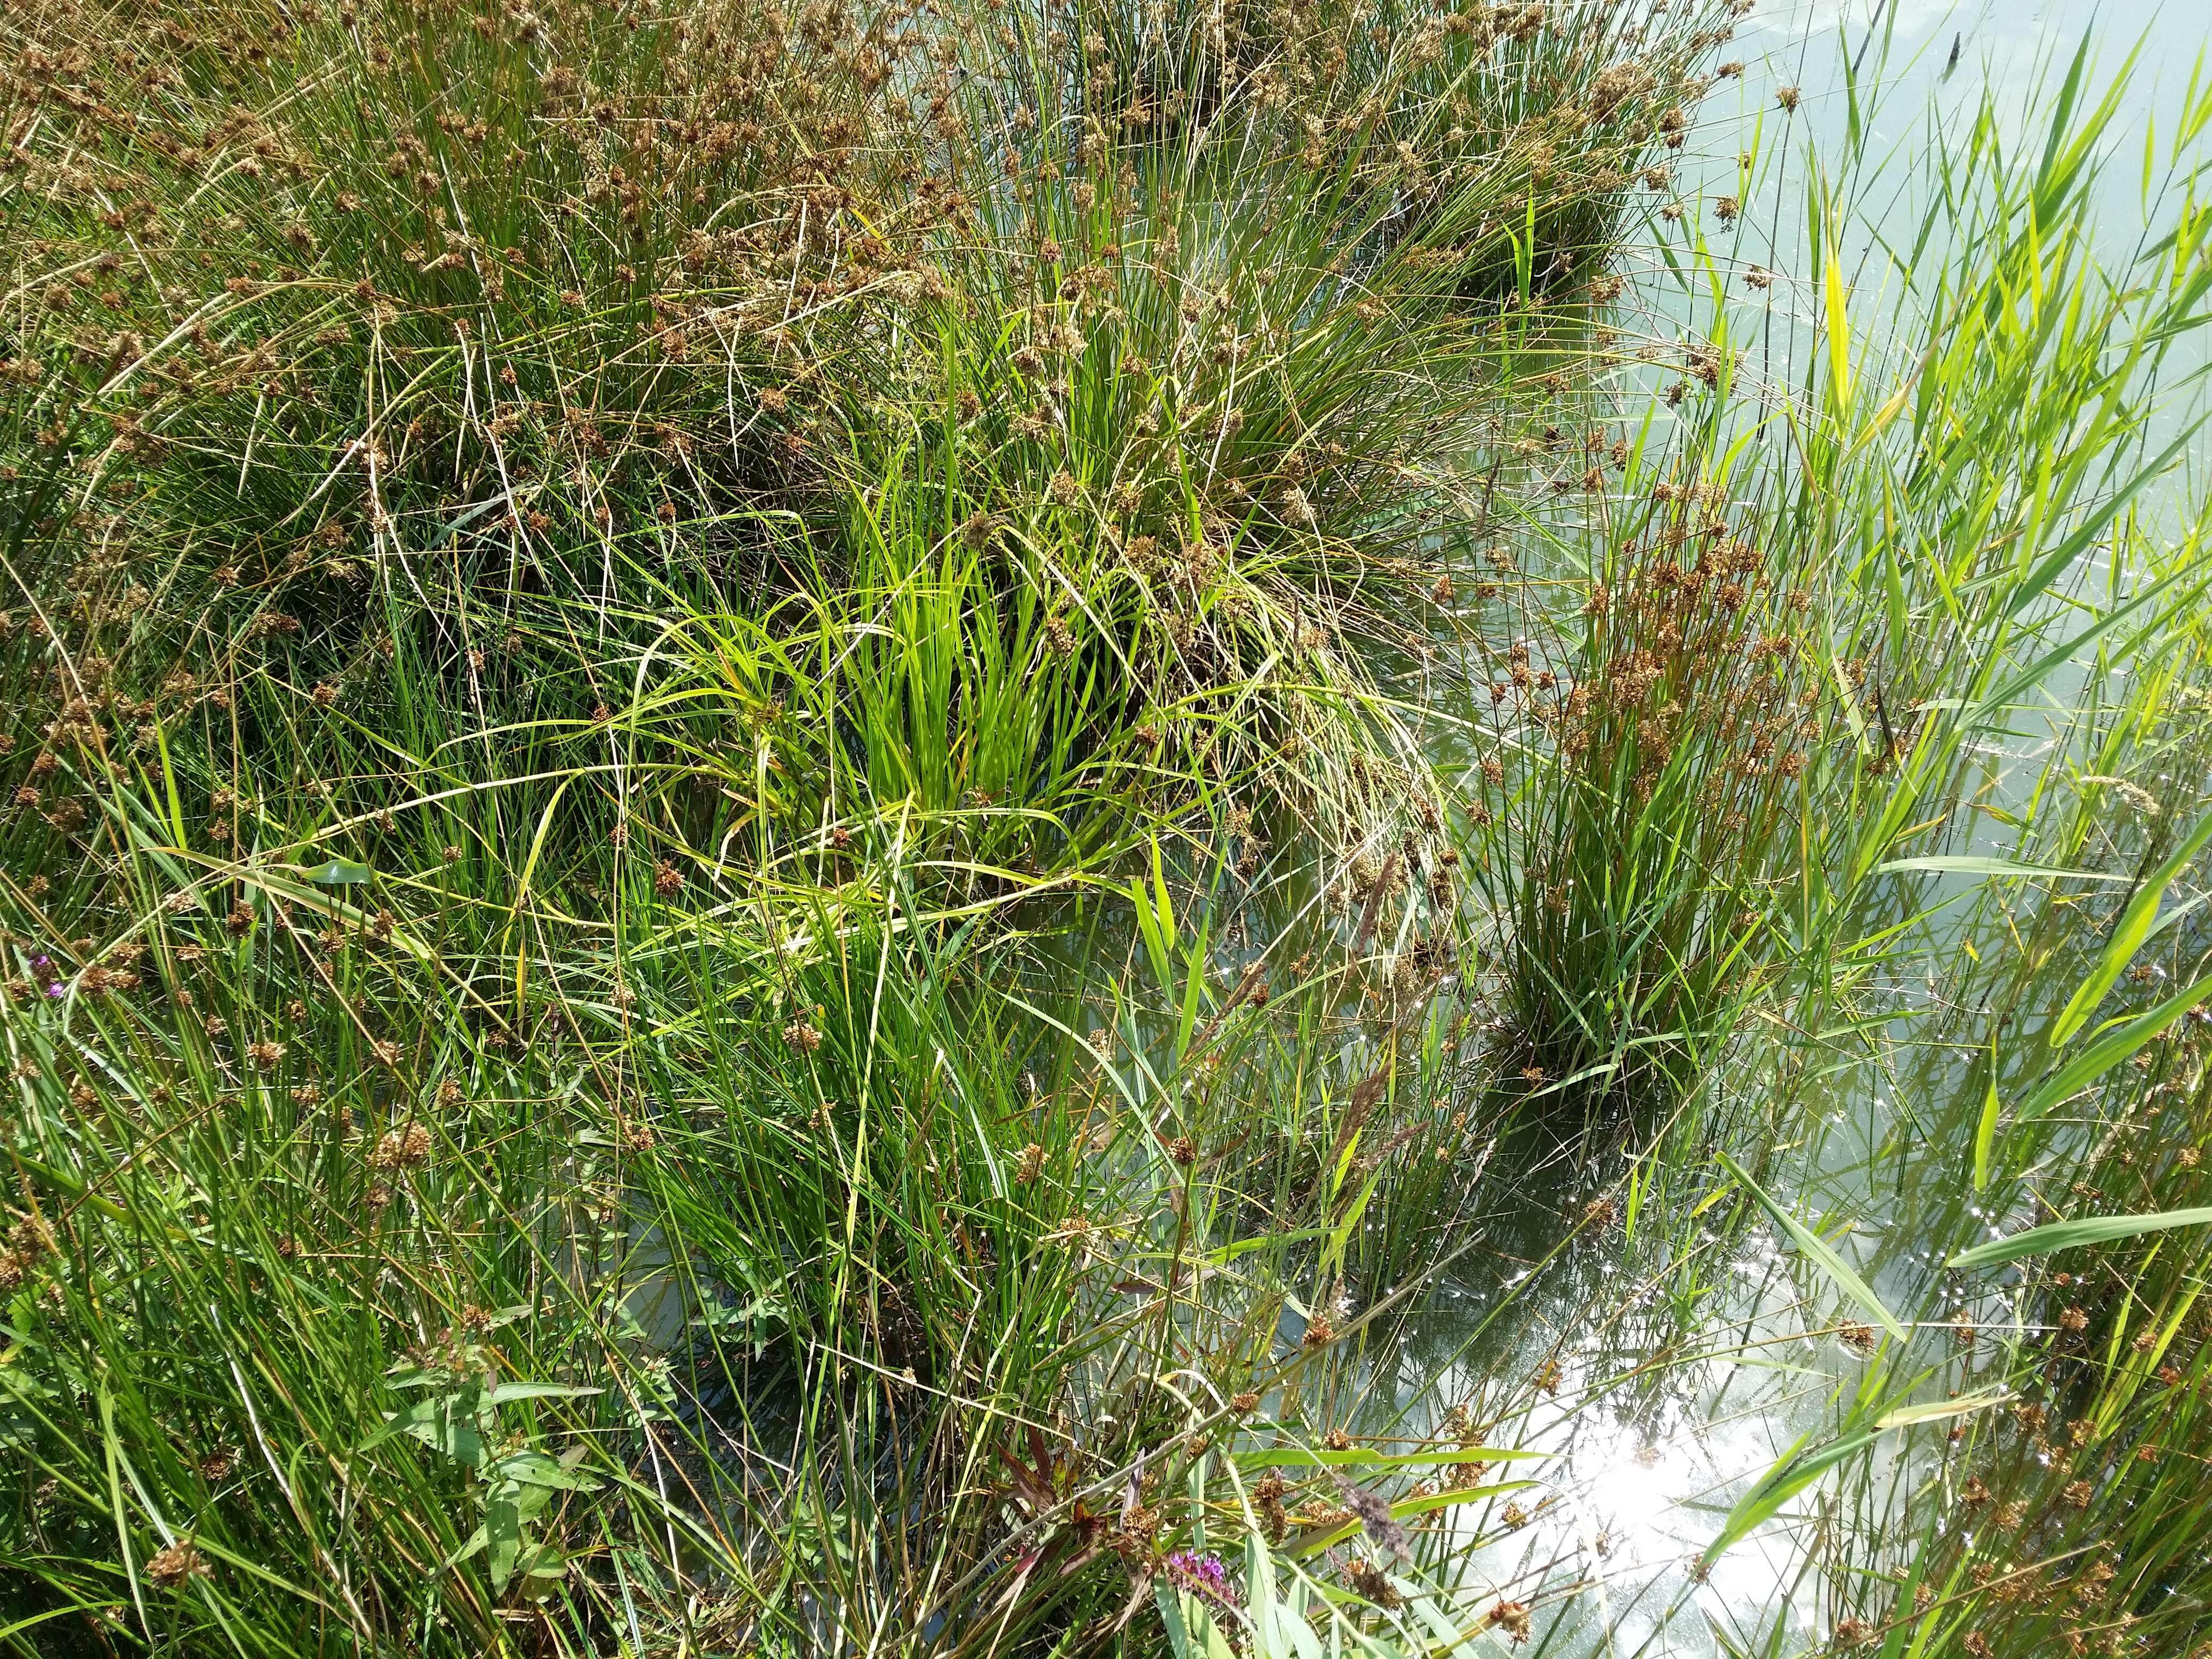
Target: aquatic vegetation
<point x="809" y="810"/>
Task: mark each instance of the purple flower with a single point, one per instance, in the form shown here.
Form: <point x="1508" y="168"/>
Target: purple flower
<point x="55" y="989"/>
<point x="1204" y="1574"/>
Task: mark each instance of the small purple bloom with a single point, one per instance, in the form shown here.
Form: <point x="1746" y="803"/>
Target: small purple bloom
<point x="1204" y="1574"/>
<point x="55" y="990"/>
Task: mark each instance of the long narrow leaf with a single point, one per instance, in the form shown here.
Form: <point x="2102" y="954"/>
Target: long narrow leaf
<point x="1819" y="1251"/>
<point x="2134" y="928"/>
<point x="2109" y="1051"/>
<point x="1792" y="1472"/>
<point x="2071" y="1235"/>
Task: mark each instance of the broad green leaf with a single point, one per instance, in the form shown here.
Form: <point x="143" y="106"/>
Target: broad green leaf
<point x="507" y="1391"/>
<point x="535" y="1468"/>
<point x="1260" y="1592"/>
<point x="529" y="1500"/>
<point x="446" y="1424"/>
<point x="1838" y="333"/>
<point x="1817" y="1250"/>
<point x="1171" y="1617"/>
<point x="503" y="1528"/>
<point x="1985" y="1130"/>
<point x="2109" y="1050"/>
<point x="546" y="1563"/>
<point x="2134" y="925"/>
<point x="340" y="872"/>
<point x="2070" y="1234"/>
<point x="1148" y="927"/>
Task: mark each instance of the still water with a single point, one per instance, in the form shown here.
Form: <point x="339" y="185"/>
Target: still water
<point x="1632" y="1488"/>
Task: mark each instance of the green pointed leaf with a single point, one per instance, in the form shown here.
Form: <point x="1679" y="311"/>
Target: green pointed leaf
<point x="2071" y="1235"/>
<point x="1985" y="1131"/>
<point x="535" y="1468"/>
<point x="1935" y="1411"/>
<point x="1964" y="865"/>
<point x="1818" y="1252"/>
<point x="2134" y="925"/>
<point x="1405" y="1508"/>
<point x="1171" y="1618"/>
<point x="507" y="1391"/>
<point x="503" y="1527"/>
<point x="2109" y="1050"/>
<point x="446" y="1424"/>
<point x="341" y="873"/>
<point x="1792" y="1472"/>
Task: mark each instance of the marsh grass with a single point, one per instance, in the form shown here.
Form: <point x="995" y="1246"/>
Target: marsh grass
<point x="733" y="922"/>
<point x="1802" y="608"/>
<point x="2067" y="1519"/>
<point x="587" y="583"/>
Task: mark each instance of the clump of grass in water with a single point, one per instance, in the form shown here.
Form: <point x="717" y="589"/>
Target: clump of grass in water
<point x="2066" y="1520"/>
<point x="1999" y="1545"/>
<point x="1645" y="840"/>
<point x="1648" y="884"/>
<point x="1892" y="820"/>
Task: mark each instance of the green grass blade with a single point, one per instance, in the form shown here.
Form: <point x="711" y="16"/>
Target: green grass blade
<point x="2134" y="925"/>
<point x="1792" y="1472"/>
<point x="1967" y="864"/>
<point x="2107" y="1052"/>
<point x="2071" y="1235"/>
<point x="1817" y="1250"/>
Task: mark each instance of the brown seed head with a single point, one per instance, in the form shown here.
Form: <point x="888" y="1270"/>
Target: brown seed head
<point x="177" y="1564"/>
<point x="401" y="1149"/>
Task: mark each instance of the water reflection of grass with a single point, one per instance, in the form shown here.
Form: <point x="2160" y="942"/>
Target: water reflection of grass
<point x="841" y="832"/>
